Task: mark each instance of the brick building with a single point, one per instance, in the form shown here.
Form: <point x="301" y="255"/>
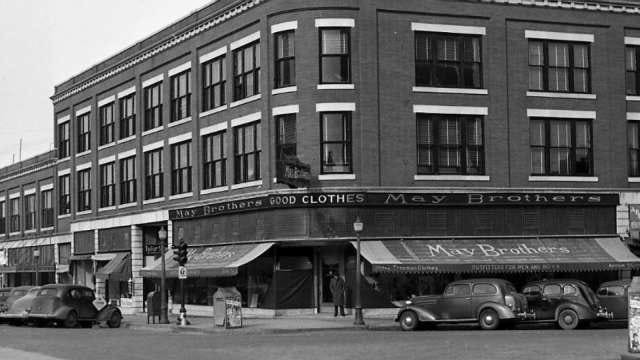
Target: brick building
<point x="471" y="137"/>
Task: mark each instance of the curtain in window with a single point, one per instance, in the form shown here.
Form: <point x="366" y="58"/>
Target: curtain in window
<point x="335" y="41"/>
<point x="558" y="67"/>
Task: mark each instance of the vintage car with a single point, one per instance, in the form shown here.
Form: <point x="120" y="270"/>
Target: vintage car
<point x="70" y="306"/>
<point x="4" y="295"/>
<point x="613" y="296"/>
<point x="15" y="293"/>
<point x="17" y="310"/>
<point x="570" y="303"/>
<point x="488" y="302"/>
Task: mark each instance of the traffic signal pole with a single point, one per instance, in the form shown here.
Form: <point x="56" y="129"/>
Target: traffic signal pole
<point x="181" y="258"/>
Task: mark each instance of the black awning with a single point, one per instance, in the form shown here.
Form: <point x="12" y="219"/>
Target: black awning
<point x="118" y="268"/>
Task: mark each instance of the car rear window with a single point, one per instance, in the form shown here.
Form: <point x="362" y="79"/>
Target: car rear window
<point x="484" y="289"/>
<point x="48" y="292"/>
<point x="552" y="289"/>
<point x="569" y="290"/>
<point x="531" y="289"/>
<point x="458" y="290"/>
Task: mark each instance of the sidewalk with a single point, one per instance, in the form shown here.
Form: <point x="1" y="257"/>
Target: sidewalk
<point x="261" y="325"/>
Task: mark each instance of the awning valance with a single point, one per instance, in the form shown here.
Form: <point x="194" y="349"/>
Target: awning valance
<point x="210" y="261"/>
<point x="83" y="257"/>
<point x="118" y="268"/>
<point x="498" y="255"/>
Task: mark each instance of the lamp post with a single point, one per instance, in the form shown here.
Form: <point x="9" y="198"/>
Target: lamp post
<point x="164" y="318"/>
<point x="36" y="257"/>
<point x="357" y="227"/>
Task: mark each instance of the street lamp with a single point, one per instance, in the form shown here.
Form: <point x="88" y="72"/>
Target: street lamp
<point x="164" y="318"/>
<point x="357" y="227"/>
<point x="36" y="256"/>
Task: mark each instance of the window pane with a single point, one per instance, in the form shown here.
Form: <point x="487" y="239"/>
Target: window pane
<point x="558" y="79"/>
<point x="558" y="54"/>
<point x="580" y="80"/>
<point x="632" y="135"/>
<point x="535" y="78"/>
<point x="474" y="132"/>
<point x="580" y="56"/>
<point x="334" y="41"/>
<point x="423" y="52"/>
<point x="471" y="50"/>
<point x="537" y="161"/>
<point x="447" y="49"/>
<point x="560" y="133"/>
<point x="425" y="131"/>
<point x="583" y="134"/>
<point x="559" y="161"/>
<point x="333" y="127"/>
<point x="631" y="58"/>
<point x="335" y="69"/>
<point x="449" y="132"/>
<point x="535" y="53"/>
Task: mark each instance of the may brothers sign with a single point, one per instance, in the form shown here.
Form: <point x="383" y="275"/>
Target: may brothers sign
<point x="359" y="199"/>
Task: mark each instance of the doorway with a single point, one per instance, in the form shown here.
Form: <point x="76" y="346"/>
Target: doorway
<point x="328" y="260"/>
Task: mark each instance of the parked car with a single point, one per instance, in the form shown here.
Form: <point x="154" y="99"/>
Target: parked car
<point x="613" y="296"/>
<point x="70" y="306"/>
<point x="4" y="295"/>
<point x="14" y="294"/>
<point x="489" y="302"/>
<point x="16" y="313"/>
<point x="570" y="303"/>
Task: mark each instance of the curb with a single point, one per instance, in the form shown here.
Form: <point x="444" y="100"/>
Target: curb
<point x="177" y="329"/>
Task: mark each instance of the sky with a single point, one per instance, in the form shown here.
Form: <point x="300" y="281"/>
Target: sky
<point x="45" y="42"/>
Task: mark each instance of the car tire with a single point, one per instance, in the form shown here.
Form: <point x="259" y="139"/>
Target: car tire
<point x="568" y="319"/>
<point x="409" y="320"/>
<point x="71" y="320"/>
<point x="114" y="320"/>
<point x="489" y="319"/>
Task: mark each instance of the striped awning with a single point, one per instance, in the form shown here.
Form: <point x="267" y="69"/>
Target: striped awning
<point x="117" y="269"/>
<point x="499" y="255"/>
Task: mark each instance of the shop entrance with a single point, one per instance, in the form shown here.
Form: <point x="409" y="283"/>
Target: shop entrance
<point x="328" y="260"/>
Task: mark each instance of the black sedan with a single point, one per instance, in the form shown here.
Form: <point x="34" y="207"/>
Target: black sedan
<point x="613" y="295"/>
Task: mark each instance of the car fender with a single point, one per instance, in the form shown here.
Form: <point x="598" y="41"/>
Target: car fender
<point x="62" y="312"/>
<point x="504" y="312"/>
<point x="423" y="315"/>
<point x="584" y="313"/>
<point x="105" y="313"/>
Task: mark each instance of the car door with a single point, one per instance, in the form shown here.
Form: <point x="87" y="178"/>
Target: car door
<point x="74" y="295"/>
<point x="456" y="302"/>
<point x="482" y="293"/>
<point x="551" y="297"/>
<point x="86" y="308"/>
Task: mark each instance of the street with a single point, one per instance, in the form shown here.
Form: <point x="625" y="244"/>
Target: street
<point x="102" y="344"/>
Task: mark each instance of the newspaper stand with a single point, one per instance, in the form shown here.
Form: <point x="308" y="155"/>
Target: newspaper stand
<point x="227" y="308"/>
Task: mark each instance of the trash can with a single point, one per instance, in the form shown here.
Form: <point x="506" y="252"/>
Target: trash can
<point x="227" y="307"/>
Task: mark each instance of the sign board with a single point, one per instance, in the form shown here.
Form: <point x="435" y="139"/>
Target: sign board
<point x="182" y="272"/>
<point x="634" y="316"/>
<point x="233" y="314"/>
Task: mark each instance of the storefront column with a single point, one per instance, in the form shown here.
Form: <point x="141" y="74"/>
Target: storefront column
<point x="56" y="259"/>
<point x="99" y="283"/>
<point x="136" y="266"/>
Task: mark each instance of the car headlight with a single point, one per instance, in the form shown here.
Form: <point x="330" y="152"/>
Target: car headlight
<point x="408" y="302"/>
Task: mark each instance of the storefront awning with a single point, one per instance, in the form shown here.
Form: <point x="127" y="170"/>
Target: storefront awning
<point x="118" y="268"/>
<point x="7" y="269"/>
<point x="498" y="255"/>
<point x="210" y="261"/>
<point x="80" y="257"/>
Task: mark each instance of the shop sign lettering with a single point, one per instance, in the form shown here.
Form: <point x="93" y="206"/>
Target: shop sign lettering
<point x="487" y="250"/>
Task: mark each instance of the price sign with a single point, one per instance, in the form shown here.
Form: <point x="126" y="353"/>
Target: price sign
<point x="182" y="272"/>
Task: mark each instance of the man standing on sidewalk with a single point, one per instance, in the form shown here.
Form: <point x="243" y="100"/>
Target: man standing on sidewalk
<point x="337" y="292"/>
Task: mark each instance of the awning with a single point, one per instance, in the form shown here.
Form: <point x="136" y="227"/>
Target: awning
<point x="118" y="269"/>
<point x="103" y="257"/>
<point x="7" y="269"/>
<point x="80" y="257"/>
<point x="210" y="261"/>
<point x="498" y="255"/>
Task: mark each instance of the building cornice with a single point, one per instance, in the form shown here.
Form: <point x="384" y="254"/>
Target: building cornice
<point x="606" y="6"/>
<point x="158" y="48"/>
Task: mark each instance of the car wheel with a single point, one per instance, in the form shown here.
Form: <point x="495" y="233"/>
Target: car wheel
<point x="115" y="320"/>
<point x="489" y="319"/>
<point x="568" y="319"/>
<point x="72" y="320"/>
<point x="409" y="320"/>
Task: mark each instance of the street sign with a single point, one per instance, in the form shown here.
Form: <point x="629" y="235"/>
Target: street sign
<point x="182" y="272"/>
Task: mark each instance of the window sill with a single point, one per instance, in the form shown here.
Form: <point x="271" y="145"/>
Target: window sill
<point x="86" y="212"/>
<point x="64" y="216"/>
<point x="63" y="160"/>
<point x="127" y="205"/>
<point x="14" y="233"/>
<point x="30" y="231"/>
<point x="336" y="86"/>
<point x="337" y="177"/>
<point x="634" y="179"/>
<point x="83" y="153"/>
<point x="429" y="89"/>
<point x="179" y="122"/>
<point x="246" y="184"/>
<point x="284" y="90"/>
<point x="213" y="111"/>
<point x="564" y="178"/>
<point x="214" y="190"/>
<point x="48" y="228"/>
<point x="180" y="196"/>
<point x="153" y="201"/>
<point x="245" y="100"/>
<point x="126" y="139"/>
<point x="106" y="146"/>
<point x="159" y="128"/>
<point x="561" y="95"/>
<point x="451" y="178"/>
<point x="632" y="98"/>
<point x="107" y="208"/>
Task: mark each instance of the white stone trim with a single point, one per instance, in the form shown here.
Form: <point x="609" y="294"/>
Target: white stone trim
<point x="564" y="178"/>
<point x="153" y="201"/>
<point x="119" y="221"/>
<point x="106" y="101"/>
<point x="336" y="86"/>
<point x="632" y="98"/>
<point x="213" y="54"/>
<point x="106" y="146"/>
<point x="2" y="198"/>
<point x="284" y="90"/>
<point x="560" y="95"/>
<point x="64" y="172"/>
<point x="129" y="138"/>
<point x="153" y="146"/>
<point x="127" y="205"/>
<point x="246" y="184"/>
<point x="127" y="154"/>
<point x="633" y="179"/>
<point x="179" y="122"/>
<point x="214" y="190"/>
<point x="563" y="36"/>
<point x="86" y="212"/>
<point x="213" y="128"/>
<point x="154" y="130"/>
<point x="60" y="161"/>
<point x="213" y="111"/>
<point x="48" y="228"/>
<point x="287" y="109"/>
<point x="181" y="196"/>
<point x="284" y="26"/>
<point x="459" y="110"/>
<point x="83" y="153"/>
<point x="83" y="110"/>
<point x="245" y="40"/>
<point x="62" y="216"/>
<point x="429" y="89"/>
<point x="127" y="92"/>
<point x="256" y="116"/>
<point x="343" y="22"/>
<point x="342" y="106"/>
<point x="633" y="116"/>
<point x="14" y="233"/>
<point x="106" y="160"/>
<point x="567" y="114"/>
<point x="45" y="187"/>
<point x="180" y="138"/>
<point x="107" y="208"/>
<point x="180" y="68"/>
<point x="451" y="178"/>
<point x="153" y="80"/>
<point x="84" y="166"/>
<point x="445" y="28"/>
<point x="629" y="40"/>
<point x="64" y="119"/>
<point x="29" y="231"/>
<point x="29" y="191"/>
<point x="324" y="177"/>
<point x="245" y="100"/>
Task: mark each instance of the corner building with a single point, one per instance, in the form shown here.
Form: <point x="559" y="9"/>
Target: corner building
<point x="472" y="138"/>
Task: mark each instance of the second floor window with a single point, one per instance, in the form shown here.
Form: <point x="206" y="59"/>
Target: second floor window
<point x="30" y="212"/>
<point x="247" y="148"/>
<point x="561" y="147"/>
<point x="286" y="148"/>
<point x="153" y="176"/>
<point x="128" y="180"/>
<point x="449" y="144"/>
<point x="214" y="160"/>
<point x="64" y="194"/>
<point x="107" y="124"/>
<point x="181" y="168"/>
<point x="3" y="217"/>
<point x="633" y="136"/>
<point x="14" y="224"/>
<point x="84" y="132"/>
<point x="285" y="69"/>
<point x="336" y="142"/>
<point x="64" y="148"/>
<point x="213" y="80"/>
<point x="559" y="66"/>
<point x="107" y="185"/>
<point x="181" y="96"/>
<point x="335" y="57"/>
<point x="84" y="190"/>
<point x="46" y="206"/>
<point x="153" y="106"/>
<point x="633" y="70"/>
<point x="127" y="116"/>
<point x="246" y="71"/>
<point x="447" y="60"/>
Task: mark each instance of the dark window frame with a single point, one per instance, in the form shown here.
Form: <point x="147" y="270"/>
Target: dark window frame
<point x="180" y="98"/>
<point x="285" y="149"/>
<point x="572" y="148"/>
<point x="282" y="62"/>
<point x="154" y="178"/>
<point x="571" y="68"/>
<point x="64" y="142"/>
<point x="107" y="185"/>
<point x="3" y="217"/>
<point x="634" y="74"/>
<point x="127" y="107"/>
<point x="84" y="132"/>
<point x="346" y="141"/>
<point x="107" y="129"/>
<point x="344" y="57"/>
<point x="64" y="194"/>
<point x="29" y="204"/>
<point x="14" y="221"/>
<point x="84" y="190"/>
<point x="128" y="182"/>
<point x="46" y="208"/>
<point x="152" y="111"/>
<point x="212" y="92"/>
<point x="242" y="159"/>
<point x="181" y="174"/>
<point x="241" y="73"/>
<point x="210" y="164"/>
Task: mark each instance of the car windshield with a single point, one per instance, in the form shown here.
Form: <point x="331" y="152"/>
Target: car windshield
<point x="19" y="293"/>
<point x="48" y="292"/>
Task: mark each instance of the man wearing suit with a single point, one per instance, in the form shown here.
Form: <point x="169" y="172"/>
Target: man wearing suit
<point x="337" y="291"/>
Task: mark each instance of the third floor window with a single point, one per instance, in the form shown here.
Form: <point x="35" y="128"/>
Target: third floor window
<point x="84" y="132"/>
<point x="153" y="106"/>
<point x="213" y="81"/>
<point x="3" y="218"/>
<point x="14" y="224"/>
<point x="561" y="147"/>
<point x="448" y="60"/>
<point x="247" y="148"/>
<point x="64" y="149"/>
<point x="64" y="194"/>
<point x="30" y="212"/>
<point x="107" y="185"/>
<point x="153" y="175"/>
<point x="181" y="96"/>
<point x="557" y="66"/>
<point x="84" y="190"/>
<point x="127" y="116"/>
<point x="246" y="71"/>
<point x="128" y="180"/>
<point x="633" y="70"/>
<point x="335" y="57"/>
<point x="285" y="69"/>
<point x="46" y="206"/>
<point x="107" y="124"/>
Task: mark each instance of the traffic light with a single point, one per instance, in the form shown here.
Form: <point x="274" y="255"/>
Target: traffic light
<point x="180" y="253"/>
